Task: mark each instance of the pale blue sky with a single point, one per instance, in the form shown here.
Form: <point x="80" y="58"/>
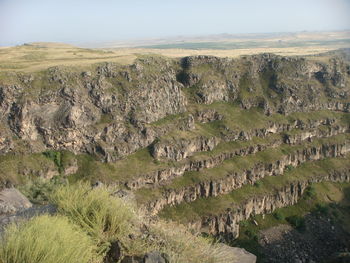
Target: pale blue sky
<point x="78" y="21"/>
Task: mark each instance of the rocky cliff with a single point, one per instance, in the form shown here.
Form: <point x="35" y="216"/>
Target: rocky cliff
<point x="227" y="224"/>
<point x="218" y="184"/>
<point x="202" y="140"/>
<point x="223" y="213"/>
<point x="109" y="110"/>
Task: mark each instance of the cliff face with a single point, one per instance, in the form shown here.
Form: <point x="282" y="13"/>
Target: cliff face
<point x="227" y="224"/>
<point x="274" y="83"/>
<point x="235" y="179"/>
<point x="104" y="112"/>
<point x="183" y="137"/>
<point x="110" y="110"/>
<point x="321" y="128"/>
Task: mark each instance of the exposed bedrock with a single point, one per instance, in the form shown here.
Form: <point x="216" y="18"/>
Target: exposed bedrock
<point x="233" y="180"/>
<point x="106" y="112"/>
<point x="110" y="111"/>
<point x="164" y="175"/>
<point x="276" y="84"/>
<point x="176" y="149"/>
<point x="226" y="224"/>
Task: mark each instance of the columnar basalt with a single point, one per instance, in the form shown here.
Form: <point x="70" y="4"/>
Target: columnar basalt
<point x="233" y="179"/>
<point x="164" y="175"/>
<point x="227" y="224"/>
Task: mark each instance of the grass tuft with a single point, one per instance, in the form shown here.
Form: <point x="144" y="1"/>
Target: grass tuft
<point x="102" y="216"/>
<point x="47" y="239"/>
<point x="183" y="246"/>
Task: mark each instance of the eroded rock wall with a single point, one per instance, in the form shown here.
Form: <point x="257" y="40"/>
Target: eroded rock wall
<point x="233" y="180"/>
<point x="227" y="224"/>
<point x="109" y="111"/>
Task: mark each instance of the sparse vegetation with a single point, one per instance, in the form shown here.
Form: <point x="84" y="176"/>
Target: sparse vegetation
<point x="295" y="214"/>
<point x="55" y="157"/>
<point x="296" y="221"/>
<point x="310" y="192"/>
<point x="182" y="246"/>
<point x="39" y="190"/>
<point x="278" y="215"/>
<point x="38" y="56"/>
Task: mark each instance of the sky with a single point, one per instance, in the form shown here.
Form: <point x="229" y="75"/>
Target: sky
<point x="88" y="21"/>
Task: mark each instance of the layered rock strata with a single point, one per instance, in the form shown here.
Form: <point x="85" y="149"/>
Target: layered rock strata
<point x="235" y="179"/>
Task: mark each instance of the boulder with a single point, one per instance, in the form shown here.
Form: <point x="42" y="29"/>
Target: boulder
<point x="12" y="201"/>
<point x="115" y="253"/>
<point x="152" y="257"/>
<point x="155" y="257"/>
<point x="241" y="255"/>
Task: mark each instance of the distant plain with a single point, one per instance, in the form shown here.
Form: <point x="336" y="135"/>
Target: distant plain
<point x="40" y="55"/>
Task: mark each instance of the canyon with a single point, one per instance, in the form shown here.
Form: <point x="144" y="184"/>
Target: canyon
<point x="205" y="141"/>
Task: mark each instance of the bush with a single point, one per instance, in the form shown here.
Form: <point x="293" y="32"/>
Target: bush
<point x="244" y="223"/>
<point x="278" y="215"/>
<point x="310" y="192"/>
<point x="289" y="167"/>
<point x="47" y="239"/>
<point x="322" y="209"/>
<point x="258" y="184"/>
<point x="55" y="157"/>
<point x="296" y="221"/>
<point x="39" y="189"/>
<point x="102" y="216"/>
<point x="335" y="214"/>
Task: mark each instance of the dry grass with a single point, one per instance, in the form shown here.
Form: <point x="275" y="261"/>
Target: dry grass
<point x="39" y="56"/>
<point x="233" y="53"/>
<point x="47" y="239"/>
<point x="182" y="246"/>
<point x="106" y="219"/>
<point x="103" y="217"/>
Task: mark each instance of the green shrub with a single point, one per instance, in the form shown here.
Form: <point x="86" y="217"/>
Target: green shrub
<point x="296" y="221"/>
<point x="278" y="215"/>
<point x="47" y="239"/>
<point x="335" y="214"/>
<point x="103" y="217"/>
<point x="39" y="189"/>
<point x="289" y="167"/>
<point x="244" y="223"/>
<point x="55" y="157"/>
<point x="322" y="209"/>
<point x="310" y="192"/>
<point x="258" y="184"/>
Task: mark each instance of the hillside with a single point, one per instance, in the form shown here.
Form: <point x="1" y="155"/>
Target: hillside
<point x="209" y="142"/>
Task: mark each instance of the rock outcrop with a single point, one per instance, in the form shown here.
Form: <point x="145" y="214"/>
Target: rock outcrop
<point x="227" y="224"/>
<point x="109" y="111"/>
<point x="214" y="186"/>
<point x="312" y="130"/>
<point x="178" y="149"/>
<point x="12" y="201"/>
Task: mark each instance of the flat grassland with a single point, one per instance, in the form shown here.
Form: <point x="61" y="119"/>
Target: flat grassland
<point x="41" y="55"/>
